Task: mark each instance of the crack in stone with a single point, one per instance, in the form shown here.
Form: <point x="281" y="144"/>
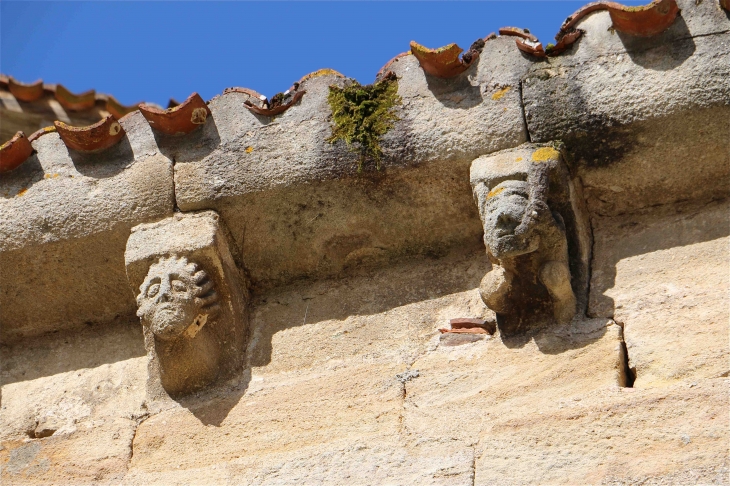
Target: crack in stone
<point x="525" y="127"/>
<point x="139" y="419"/>
<point x="473" y="465"/>
<point x="627" y="375"/>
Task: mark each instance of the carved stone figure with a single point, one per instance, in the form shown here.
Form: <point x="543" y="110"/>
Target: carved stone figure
<point x="530" y="223"/>
<point x="176" y="298"/>
<point x="191" y="300"/>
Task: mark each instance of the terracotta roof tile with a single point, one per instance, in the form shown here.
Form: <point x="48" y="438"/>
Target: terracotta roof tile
<point x="14" y="152"/>
<point x="117" y="109"/>
<point x="184" y="117"/>
<point x="38" y="134"/>
<point x="443" y="62"/>
<point x="386" y="66"/>
<point x="181" y="119"/>
<point x="25" y="91"/>
<point x="526" y="42"/>
<point x="100" y="135"/>
<point x="644" y="21"/>
<point x="75" y="102"/>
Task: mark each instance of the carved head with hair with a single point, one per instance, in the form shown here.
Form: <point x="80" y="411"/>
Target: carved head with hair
<point x="176" y="298"/>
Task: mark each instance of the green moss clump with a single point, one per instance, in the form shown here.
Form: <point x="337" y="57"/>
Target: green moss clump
<point x="362" y="114"/>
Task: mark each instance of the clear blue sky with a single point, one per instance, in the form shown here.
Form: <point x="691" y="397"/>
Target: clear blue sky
<point x="152" y="51"/>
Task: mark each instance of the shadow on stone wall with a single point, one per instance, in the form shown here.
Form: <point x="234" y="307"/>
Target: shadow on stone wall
<point x="64" y="351"/>
<point x="626" y="236"/>
<point x="191" y="147"/>
<point x="457" y="92"/>
<point x="107" y="163"/>
<point x="367" y="293"/>
<point x="662" y="52"/>
<point x="19" y="180"/>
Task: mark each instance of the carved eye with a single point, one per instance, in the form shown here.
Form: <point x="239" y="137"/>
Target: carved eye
<point x="152" y="291"/>
<point x="178" y="286"/>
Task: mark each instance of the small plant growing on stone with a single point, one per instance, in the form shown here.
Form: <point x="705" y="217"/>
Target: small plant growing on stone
<point x="363" y="114"/>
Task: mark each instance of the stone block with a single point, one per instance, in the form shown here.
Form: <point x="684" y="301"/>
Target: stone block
<point x="664" y="274"/>
<point x="191" y="300"/>
<point x="622" y="103"/>
<point x="296" y="204"/>
<point x="70" y="406"/>
<point x="64" y="221"/>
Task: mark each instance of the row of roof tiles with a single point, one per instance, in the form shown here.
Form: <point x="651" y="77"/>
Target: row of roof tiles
<point x="30" y="92"/>
<point x="444" y="62"/>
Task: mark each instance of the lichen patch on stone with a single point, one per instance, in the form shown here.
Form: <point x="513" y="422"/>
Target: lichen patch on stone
<point x="500" y="93"/>
<point x="544" y="154"/>
<point x="494" y="192"/>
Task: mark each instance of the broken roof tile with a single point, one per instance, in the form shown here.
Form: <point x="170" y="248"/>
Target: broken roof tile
<point x="75" y="102"/>
<point x="526" y="42"/>
<point x="268" y="110"/>
<point x="467" y="324"/>
<point x="180" y="119"/>
<point x="38" y="133"/>
<point x="25" y="91"/>
<point x="387" y="65"/>
<point x="14" y="152"/>
<point x="473" y="330"/>
<point x="261" y="105"/>
<point x="251" y="93"/>
<point x="443" y="62"/>
<point x="564" y="41"/>
<point x="98" y="136"/>
<point x="643" y="21"/>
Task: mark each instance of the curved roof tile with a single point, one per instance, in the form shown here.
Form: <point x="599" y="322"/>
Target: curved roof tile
<point x="180" y="119"/>
<point x="25" y="91"/>
<point x="644" y="21"/>
<point x="75" y="102"/>
<point x="98" y="136"/>
<point x="14" y="152"/>
<point x="443" y="62"/>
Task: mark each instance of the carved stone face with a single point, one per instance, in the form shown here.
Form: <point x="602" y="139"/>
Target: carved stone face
<point x="174" y="296"/>
<point x="503" y="211"/>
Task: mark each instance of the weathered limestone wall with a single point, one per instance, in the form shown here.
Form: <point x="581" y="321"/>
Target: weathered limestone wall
<point x="294" y="202"/>
<point x="66" y="217"/>
<point x="346" y="377"/>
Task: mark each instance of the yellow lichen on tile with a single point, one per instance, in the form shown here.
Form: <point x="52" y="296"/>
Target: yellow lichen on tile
<point x="321" y="72"/>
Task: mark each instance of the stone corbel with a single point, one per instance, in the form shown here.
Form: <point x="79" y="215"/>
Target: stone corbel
<point x="191" y="301"/>
<point x="536" y="234"/>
